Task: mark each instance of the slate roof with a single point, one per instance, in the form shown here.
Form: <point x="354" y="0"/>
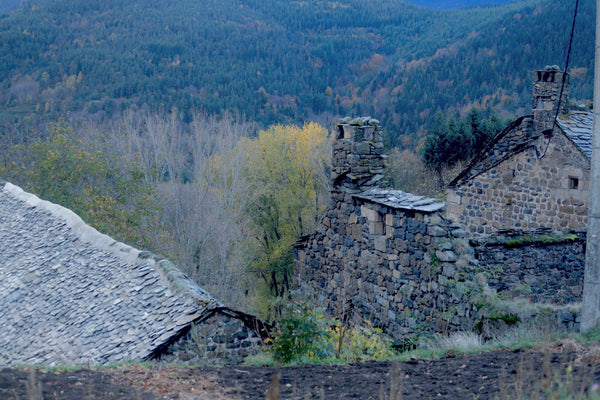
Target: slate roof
<point x="579" y="126"/>
<point x="70" y="295"/>
<point x="400" y="200"/>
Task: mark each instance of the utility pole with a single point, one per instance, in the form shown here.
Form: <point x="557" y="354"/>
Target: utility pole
<point x="590" y="315"/>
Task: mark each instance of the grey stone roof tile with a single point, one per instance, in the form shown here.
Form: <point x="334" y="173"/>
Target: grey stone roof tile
<point x="400" y="200"/>
<point x="578" y="126"/>
<point x="74" y="296"/>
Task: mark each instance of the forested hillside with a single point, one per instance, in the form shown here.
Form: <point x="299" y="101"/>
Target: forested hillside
<point x="492" y="68"/>
<point x="8" y="5"/>
<point x="283" y="62"/>
<point x="445" y="4"/>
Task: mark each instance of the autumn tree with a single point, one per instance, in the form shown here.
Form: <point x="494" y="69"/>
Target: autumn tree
<point x="287" y="170"/>
<point x="213" y="195"/>
<point x="198" y="172"/>
<point x="232" y="200"/>
<point x="406" y="171"/>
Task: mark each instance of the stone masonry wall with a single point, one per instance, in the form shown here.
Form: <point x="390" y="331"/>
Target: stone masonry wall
<point x="543" y="267"/>
<point x="219" y="340"/>
<point x="526" y="192"/>
<point x="401" y="267"/>
<point x="402" y="270"/>
<point x="396" y="259"/>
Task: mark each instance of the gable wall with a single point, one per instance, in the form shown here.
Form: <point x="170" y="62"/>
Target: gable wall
<point x="526" y="193"/>
<point x="219" y="340"/>
<point x="519" y="134"/>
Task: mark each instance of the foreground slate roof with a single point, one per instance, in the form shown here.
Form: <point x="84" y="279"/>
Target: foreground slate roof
<point x="70" y="295"/>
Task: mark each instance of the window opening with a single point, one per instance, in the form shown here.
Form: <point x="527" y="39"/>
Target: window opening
<point x="573" y="182"/>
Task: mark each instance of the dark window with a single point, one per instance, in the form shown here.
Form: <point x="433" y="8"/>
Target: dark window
<point x="573" y="183"/>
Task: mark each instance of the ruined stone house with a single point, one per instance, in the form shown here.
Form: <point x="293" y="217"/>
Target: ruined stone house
<point x="534" y="174"/>
<point x="384" y="255"/>
<point x="73" y="296"/>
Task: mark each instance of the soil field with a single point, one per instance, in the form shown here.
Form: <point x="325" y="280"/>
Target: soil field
<point x="509" y="374"/>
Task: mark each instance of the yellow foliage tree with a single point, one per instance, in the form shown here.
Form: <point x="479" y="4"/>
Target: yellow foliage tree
<point x="288" y="170"/>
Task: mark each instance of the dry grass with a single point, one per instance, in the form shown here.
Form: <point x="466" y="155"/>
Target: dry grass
<point x="33" y="387"/>
<point x="461" y="341"/>
<point x="396" y="377"/>
<point x="274" y="391"/>
<point x="574" y="380"/>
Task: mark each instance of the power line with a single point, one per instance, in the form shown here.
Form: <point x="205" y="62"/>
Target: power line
<point x="564" y="79"/>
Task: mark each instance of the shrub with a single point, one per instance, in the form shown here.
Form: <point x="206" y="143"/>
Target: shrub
<point x="358" y="344"/>
<point x="301" y="334"/>
<point x="305" y="335"/>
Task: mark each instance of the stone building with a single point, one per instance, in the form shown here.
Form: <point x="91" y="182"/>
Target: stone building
<point x="383" y="255"/>
<point x="534" y="174"/>
<point x="396" y="260"/>
<point x="73" y="296"/>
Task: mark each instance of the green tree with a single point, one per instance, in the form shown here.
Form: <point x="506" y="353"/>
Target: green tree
<point x="453" y="141"/>
<point x="442" y="146"/>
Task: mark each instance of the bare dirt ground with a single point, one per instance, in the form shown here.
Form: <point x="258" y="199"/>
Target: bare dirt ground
<point x="569" y="367"/>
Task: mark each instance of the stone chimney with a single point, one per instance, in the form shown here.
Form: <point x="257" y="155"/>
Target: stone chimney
<point x="357" y="154"/>
<point x="546" y="92"/>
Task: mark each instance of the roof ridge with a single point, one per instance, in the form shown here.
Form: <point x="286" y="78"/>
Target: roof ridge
<point x="78" y="226"/>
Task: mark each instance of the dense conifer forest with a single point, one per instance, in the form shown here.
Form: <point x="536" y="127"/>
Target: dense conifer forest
<point x="284" y="62"/>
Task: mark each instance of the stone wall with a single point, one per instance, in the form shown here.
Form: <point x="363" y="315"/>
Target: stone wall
<point x="382" y="255"/>
<point x="526" y="191"/>
<point x="396" y="260"/>
<point x="403" y="270"/>
<point x="540" y="266"/>
<point x="223" y="339"/>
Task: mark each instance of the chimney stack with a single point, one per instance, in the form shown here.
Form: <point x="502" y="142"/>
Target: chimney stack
<point x="546" y="93"/>
<point x="357" y="154"/>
